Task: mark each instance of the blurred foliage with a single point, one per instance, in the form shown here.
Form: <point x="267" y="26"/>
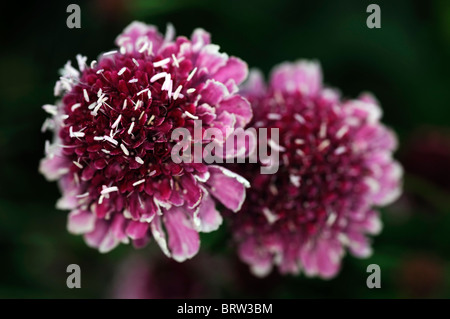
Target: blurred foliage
<point x="405" y="64"/>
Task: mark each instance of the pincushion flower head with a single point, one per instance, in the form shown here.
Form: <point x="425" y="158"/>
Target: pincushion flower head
<point x="111" y="152"/>
<point x="335" y="167"/>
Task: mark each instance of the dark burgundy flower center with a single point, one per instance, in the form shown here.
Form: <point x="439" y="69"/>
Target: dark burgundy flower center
<point x="120" y="116"/>
<point x="320" y="176"/>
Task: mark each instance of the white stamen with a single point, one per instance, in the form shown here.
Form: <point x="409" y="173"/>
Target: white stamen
<point x="78" y="164"/>
<point x="177" y="92"/>
<point x="166" y="83"/>
<point x="144" y="47"/>
<point x="300" y="152"/>
<point x="342" y="131"/>
<point x="151" y="119"/>
<point x="117" y="121"/>
<point x="139" y="160"/>
<point x="124" y="104"/>
<point x="50" y="109"/>
<point x="191" y="90"/>
<point x="299" y="118"/>
<point x="133" y="81"/>
<point x="92" y="105"/>
<point x="100" y="199"/>
<point x="110" y="53"/>
<point x="86" y="96"/>
<point x="75" y="106"/>
<point x="135" y="62"/>
<point x="158" y="76"/>
<point x="331" y="219"/>
<point x="140" y="116"/>
<point x="274" y="116"/>
<point x="138" y="105"/>
<point x="99" y="138"/>
<point x="130" y="130"/>
<point x="271" y="217"/>
<point x="175" y="61"/>
<point x="100" y="93"/>
<point x="108" y="190"/>
<point x="152" y="173"/>
<point x="111" y="140"/>
<point x="323" y="130"/>
<point x="340" y="150"/>
<point x="276" y="146"/>
<point x="161" y="63"/>
<point x="82" y="195"/>
<point x="299" y="141"/>
<point x="78" y="134"/>
<point x="99" y="71"/>
<point x="140" y="92"/>
<point x="124" y="149"/>
<point x="150" y="48"/>
<point x="93" y="63"/>
<point x="122" y="70"/>
<point x="95" y="111"/>
<point x="191" y="75"/>
<point x="323" y="145"/>
<point x="123" y="50"/>
<point x="139" y="182"/>
<point x="106" y="151"/>
<point x="190" y="115"/>
<point x="295" y="180"/>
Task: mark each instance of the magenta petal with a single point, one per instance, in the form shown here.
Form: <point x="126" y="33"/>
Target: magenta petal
<point x="136" y="229"/>
<point x="329" y="255"/>
<point x="213" y="92"/>
<point x="118" y="227"/>
<point x="238" y="106"/>
<point x="129" y="38"/>
<point x="191" y="190"/>
<point x="53" y="167"/>
<point x="302" y="76"/>
<point x="80" y="221"/>
<point x="101" y="237"/>
<point x="200" y="38"/>
<point x="260" y="260"/>
<point x="159" y="234"/>
<point x="235" y="69"/>
<point x="184" y="241"/>
<point x="209" y="216"/>
<point x="254" y="85"/>
<point x="210" y="59"/>
<point x="227" y="187"/>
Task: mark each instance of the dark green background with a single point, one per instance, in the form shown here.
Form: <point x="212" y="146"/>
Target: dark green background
<point x="405" y="64"/>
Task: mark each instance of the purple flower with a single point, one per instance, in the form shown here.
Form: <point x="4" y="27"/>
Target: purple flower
<point x="335" y="165"/>
<point x="111" y="153"/>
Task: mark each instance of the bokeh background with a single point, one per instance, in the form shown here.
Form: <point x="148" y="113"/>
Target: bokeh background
<point x="405" y="64"/>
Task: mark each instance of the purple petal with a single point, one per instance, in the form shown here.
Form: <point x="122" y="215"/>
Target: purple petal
<point x="136" y="229"/>
<point x="80" y="222"/>
<point x="213" y="92"/>
<point x="209" y="216"/>
<point x="238" y="106"/>
<point x="184" y="241"/>
<point x="302" y="76"/>
<point x="227" y="187"/>
<point x="159" y="234"/>
<point x="235" y="69"/>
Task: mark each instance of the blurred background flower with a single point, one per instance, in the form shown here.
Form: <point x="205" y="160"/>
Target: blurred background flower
<point x="154" y="276"/>
<point x="404" y="64"/>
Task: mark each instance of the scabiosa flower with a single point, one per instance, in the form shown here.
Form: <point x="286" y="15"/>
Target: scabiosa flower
<point x="335" y="165"/>
<point x="111" y="153"/>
